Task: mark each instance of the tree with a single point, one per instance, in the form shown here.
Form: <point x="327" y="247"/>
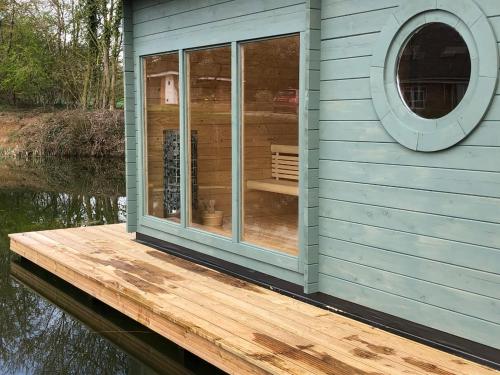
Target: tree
<point x="61" y="52"/>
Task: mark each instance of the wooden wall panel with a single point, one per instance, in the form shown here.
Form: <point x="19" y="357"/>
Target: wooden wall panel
<point x="260" y="134"/>
<point x="161" y="26"/>
<point x="412" y="234"/>
<point x="130" y="126"/>
<point x="245" y="20"/>
<point x="194" y="16"/>
<point x="159" y="118"/>
<point x="309" y="143"/>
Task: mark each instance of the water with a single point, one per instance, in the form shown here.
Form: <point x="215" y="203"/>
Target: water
<point x="46" y="325"/>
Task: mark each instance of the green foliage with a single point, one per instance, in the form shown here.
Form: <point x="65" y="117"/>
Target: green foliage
<point x="25" y="60"/>
<point x="120" y="104"/>
<point x="60" y="53"/>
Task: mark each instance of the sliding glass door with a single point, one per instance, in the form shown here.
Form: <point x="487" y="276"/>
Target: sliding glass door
<point x="200" y="109"/>
<point x="209" y="128"/>
<point x="162" y="135"/>
<point x="270" y="178"/>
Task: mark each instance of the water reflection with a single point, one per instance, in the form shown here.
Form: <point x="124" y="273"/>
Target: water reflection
<point x="42" y="337"/>
<point x="85" y="351"/>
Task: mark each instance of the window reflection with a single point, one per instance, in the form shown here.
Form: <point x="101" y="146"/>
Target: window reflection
<point x="162" y="136"/>
<point x="209" y="119"/>
<point x="270" y="143"/>
<point x="434" y="71"/>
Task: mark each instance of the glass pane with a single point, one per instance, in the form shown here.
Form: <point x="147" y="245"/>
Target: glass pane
<point x="162" y="136"/>
<point x="270" y="143"/>
<point x="434" y="71"/>
<point x="209" y="118"/>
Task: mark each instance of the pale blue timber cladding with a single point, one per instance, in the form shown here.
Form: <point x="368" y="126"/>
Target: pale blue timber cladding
<point x="130" y="128"/>
<point x="309" y="145"/>
<point x="412" y="234"/>
<point x="163" y="26"/>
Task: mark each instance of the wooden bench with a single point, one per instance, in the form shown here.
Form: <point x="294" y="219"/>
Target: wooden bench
<point x="285" y="172"/>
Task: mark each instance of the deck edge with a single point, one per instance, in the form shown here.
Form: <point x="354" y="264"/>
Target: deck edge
<point x="464" y="348"/>
<point x="193" y="343"/>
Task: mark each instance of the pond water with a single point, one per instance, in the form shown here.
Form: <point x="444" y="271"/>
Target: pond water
<point x="46" y="325"/>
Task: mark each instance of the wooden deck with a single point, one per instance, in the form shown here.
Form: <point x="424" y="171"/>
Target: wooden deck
<point x="131" y="341"/>
<point x="237" y="326"/>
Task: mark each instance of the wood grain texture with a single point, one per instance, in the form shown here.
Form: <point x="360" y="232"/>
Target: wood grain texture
<point x="396" y="226"/>
<point x="284" y="172"/>
<point x="161" y="26"/>
<point x="130" y="128"/>
<point x="237" y="326"/>
<point x="380" y="203"/>
<point x="309" y="144"/>
<point x="163" y="360"/>
<point x="254" y="22"/>
<point x="218" y="11"/>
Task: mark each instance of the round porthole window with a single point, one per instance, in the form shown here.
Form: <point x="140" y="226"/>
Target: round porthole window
<point x="434" y="70"/>
<point x="433" y="73"/>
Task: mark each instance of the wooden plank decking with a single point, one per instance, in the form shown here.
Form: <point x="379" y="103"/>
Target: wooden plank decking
<point x="237" y="326"/>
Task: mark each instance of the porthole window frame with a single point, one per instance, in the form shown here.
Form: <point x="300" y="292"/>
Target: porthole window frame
<point x="406" y="127"/>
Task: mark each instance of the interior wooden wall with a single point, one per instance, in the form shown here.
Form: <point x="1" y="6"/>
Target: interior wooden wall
<point x="269" y="67"/>
<point x="261" y="130"/>
<point x="159" y="118"/>
<point x="214" y="156"/>
<point x="177" y="24"/>
<point x="209" y="115"/>
<point x="212" y="124"/>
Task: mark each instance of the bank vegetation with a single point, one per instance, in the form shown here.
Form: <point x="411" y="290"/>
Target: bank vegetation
<point x="61" y="65"/>
<point x="71" y="133"/>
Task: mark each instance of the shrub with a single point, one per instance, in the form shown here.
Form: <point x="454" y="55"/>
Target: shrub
<point x="74" y="133"/>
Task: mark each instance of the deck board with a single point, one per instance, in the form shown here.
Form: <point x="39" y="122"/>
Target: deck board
<point x="135" y="343"/>
<point x="238" y="326"/>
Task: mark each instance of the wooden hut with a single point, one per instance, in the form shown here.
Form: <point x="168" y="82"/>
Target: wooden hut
<point x="346" y="151"/>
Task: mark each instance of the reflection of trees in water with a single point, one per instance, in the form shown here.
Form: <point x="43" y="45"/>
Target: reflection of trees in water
<point x="97" y="176"/>
<point x="70" y="210"/>
<point x="22" y="211"/>
<point x="36" y="336"/>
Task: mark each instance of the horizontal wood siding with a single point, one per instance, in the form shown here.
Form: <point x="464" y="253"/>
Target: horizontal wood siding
<point x="413" y="234"/>
<point x="310" y="146"/>
<point x="130" y="128"/>
<point x="176" y="24"/>
<point x="169" y="25"/>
